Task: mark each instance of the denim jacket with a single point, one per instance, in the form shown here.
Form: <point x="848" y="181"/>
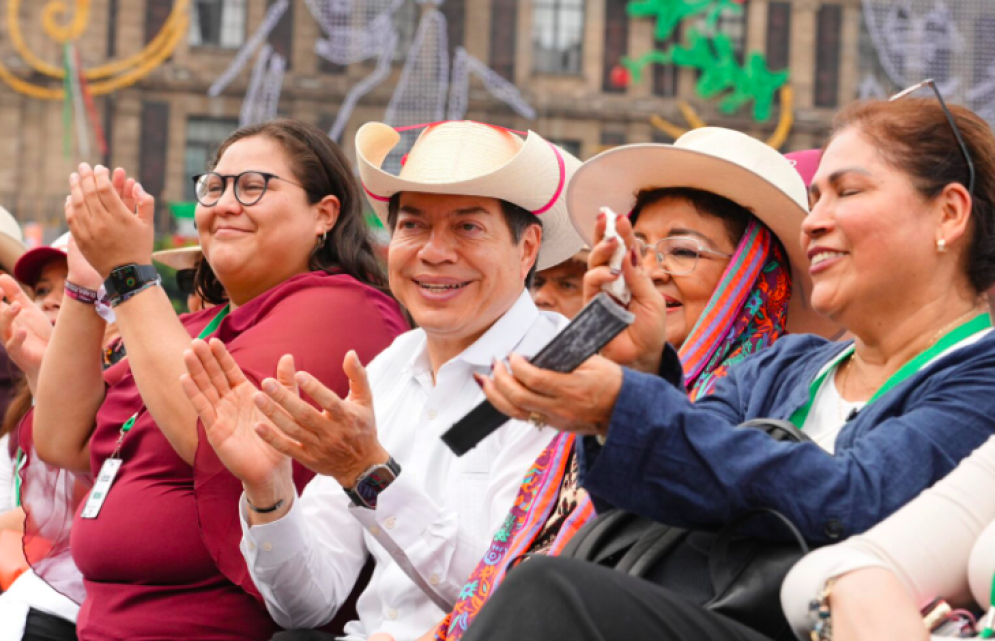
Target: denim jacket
<point x="688" y="465"/>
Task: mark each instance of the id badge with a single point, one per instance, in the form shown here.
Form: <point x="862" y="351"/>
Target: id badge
<point x="100" y="489"/>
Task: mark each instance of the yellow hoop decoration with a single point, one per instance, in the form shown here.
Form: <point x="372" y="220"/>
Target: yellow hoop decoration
<point x="776" y="139"/>
<point x="109" y="77"/>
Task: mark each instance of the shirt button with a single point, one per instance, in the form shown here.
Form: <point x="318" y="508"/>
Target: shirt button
<point x="252" y="546"/>
<point x="833" y="529"/>
<point x="432" y="415"/>
<point x="374" y="530"/>
<point x="434" y="579"/>
<point x="392" y="615"/>
<point x="390" y="523"/>
<point x="267" y="546"/>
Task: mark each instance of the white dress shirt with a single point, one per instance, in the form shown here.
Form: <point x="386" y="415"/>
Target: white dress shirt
<point x="434" y="523"/>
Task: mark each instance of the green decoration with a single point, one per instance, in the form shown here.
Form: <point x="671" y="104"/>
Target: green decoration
<point x="670" y="13"/>
<point x="721" y="73"/>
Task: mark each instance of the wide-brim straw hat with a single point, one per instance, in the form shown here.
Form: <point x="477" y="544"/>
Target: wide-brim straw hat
<point x="181" y="258"/>
<point x="474" y="159"/>
<point x="30" y="265"/>
<point x="721" y="161"/>
<point x="12" y="244"/>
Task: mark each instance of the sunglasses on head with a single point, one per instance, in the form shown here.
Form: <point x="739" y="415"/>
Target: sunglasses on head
<point x="950" y="118"/>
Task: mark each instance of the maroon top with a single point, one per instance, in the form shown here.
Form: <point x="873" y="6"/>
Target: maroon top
<point x="150" y="571"/>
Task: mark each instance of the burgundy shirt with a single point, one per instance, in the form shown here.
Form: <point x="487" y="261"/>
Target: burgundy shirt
<point x="162" y="561"/>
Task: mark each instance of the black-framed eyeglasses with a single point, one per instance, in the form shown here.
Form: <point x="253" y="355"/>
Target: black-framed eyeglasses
<point x="953" y="125"/>
<point x="249" y="186"/>
<point x="679" y="255"/>
<point x="185" y="280"/>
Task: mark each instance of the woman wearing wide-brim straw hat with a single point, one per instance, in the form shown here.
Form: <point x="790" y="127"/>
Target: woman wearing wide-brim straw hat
<point x="899" y="245"/>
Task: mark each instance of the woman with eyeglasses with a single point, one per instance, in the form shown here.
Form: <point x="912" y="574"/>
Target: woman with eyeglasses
<point x="718" y="272"/>
<point x="289" y="262"/>
<point x="900" y="243"/>
<point x="900" y="252"/>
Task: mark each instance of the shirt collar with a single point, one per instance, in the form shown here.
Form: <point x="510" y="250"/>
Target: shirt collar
<point x="497" y="342"/>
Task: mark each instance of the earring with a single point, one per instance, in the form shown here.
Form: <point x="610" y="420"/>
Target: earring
<point x="324" y="238"/>
<point x="941" y="246"/>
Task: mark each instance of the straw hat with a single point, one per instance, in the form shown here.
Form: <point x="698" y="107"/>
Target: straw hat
<point x="181" y="258"/>
<point x="473" y="159"/>
<point x="721" y="161"/>
<point x="11" y="241"/>
<point x="30" y="265"/>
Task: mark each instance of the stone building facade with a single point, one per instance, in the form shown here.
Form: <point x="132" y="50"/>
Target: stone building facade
<point x="559" y="53"/>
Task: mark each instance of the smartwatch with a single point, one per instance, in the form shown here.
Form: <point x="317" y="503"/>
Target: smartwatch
<point x="372" y="482"/>
<point x="129" y="278"/>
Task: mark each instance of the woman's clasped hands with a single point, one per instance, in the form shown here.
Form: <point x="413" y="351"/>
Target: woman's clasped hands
<point x="582" y="401"/>
<point x="111" y="218"/>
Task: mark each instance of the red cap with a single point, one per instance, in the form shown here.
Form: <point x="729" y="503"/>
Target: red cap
<point x="30" y="265"/>
<point x="806" y="163"/>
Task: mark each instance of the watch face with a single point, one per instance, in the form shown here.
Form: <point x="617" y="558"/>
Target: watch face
<point x="125" y="278"/>
<point x="371" y="486"/>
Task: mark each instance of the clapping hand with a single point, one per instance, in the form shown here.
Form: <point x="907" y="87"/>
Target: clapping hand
<point x="224" y="399"/>
<point x="640" y="346"/>
<point x="24" y="329"/>
<point x="254" y="432"/>
<point x="111" y="218"/>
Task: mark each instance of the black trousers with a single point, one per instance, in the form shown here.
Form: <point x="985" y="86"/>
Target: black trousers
<point x="548" y="598"/>
<point x="46" y="627"/>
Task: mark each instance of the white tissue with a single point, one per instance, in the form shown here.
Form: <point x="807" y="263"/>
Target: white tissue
<point x="617" y="288"/>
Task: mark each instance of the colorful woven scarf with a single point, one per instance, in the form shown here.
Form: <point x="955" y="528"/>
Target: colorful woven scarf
<point x="747" y="313"/>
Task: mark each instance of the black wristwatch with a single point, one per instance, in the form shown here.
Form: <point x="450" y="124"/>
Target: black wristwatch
<point x="129" y="278"/>
<point x="372" y="482"/>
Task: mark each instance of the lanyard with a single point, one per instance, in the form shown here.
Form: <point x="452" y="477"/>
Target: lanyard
<point x="207" y="331"/>
<point x="967" y="329"/>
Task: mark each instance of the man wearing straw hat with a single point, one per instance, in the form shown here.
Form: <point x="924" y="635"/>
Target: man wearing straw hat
<point x="474" y="210"/>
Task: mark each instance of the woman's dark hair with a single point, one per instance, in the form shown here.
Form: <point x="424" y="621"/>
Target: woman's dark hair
<point x="18" y="407"/>
<point x="914" y="136"/>
<point x="735" y="216"/>
<point x="322" y="169"/>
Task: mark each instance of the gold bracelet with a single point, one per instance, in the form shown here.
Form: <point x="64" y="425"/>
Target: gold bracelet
<point x="818" y="609"/>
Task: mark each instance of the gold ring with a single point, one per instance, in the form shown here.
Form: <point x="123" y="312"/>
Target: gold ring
<point x="538" y="420"/>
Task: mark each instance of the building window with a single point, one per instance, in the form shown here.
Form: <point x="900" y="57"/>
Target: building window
<point x="281" y="38"/>
<point x="665" y="76"/>
<point x="406" y="23"/>
<point x="217" y="23"/>
<point x="557" y="36"/>
<point x="610" y="138"/>
<point x="455" y="13"/>
<point x="827" y="55"/>
<point x="778" y="35"/>
<point x="731" y="22"/>
<point x="504" y="26"/>
<point x="570" y="146"/>
<point x="203" y="137"/>
<point x="616" y="44"/>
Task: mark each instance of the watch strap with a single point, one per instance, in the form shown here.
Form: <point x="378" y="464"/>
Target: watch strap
<point x="372" y="482"/>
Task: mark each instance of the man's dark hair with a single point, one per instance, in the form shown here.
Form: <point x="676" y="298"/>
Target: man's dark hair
<point x="517" y="218"/>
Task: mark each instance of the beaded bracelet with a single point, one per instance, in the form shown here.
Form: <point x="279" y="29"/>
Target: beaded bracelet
<point x="822" y="626"/>
<point x="81" y="294"/>
<point x="117" y="300"/>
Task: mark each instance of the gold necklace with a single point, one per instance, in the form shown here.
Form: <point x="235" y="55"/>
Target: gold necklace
<point x="841" y="388"/>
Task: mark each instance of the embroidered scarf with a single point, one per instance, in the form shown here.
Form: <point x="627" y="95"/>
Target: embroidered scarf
<point x="746" y="313"/>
